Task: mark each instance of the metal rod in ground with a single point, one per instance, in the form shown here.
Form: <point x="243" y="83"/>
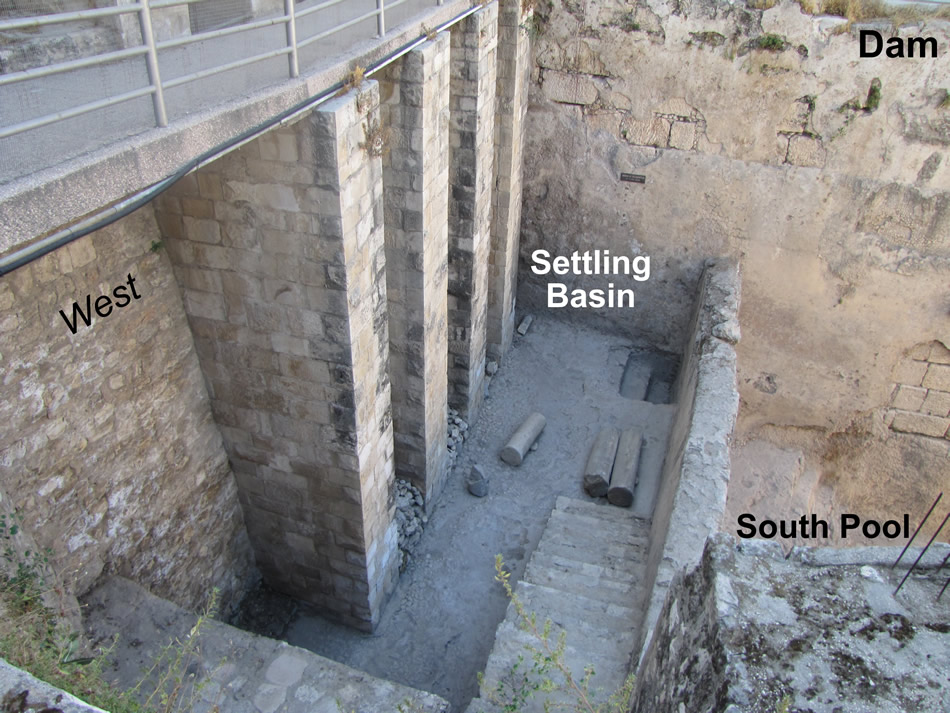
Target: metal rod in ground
<point x="923" y="552"/>
<point x="519" y="443"/>
<point x="623" y="479"/>
<point x="600" y="462"/>
<point x="945" y="559"/>
<point x="911" y="540"/>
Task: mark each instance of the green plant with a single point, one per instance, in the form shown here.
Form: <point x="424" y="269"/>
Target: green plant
<point x="156" y="246"/>
<point x="944" y="102"/>
<point x="874" y="95"/>
<point x="770" y="43"/>
<point x="35" y="638"/>
<point x="782" y="705"/>
<point x="544" y="670"/>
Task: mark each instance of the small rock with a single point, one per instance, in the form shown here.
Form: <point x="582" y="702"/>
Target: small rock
<point x="476" y="482"/>
<point x="534" y="446"/>
<point x="491" y="367"/>
<point x="525" y="324"/>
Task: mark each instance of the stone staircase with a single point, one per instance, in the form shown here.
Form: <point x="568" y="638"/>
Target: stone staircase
<point x="586" y="577"/>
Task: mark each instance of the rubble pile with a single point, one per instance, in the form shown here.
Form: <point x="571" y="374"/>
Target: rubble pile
<point x="458" y="429"/>
<point x="410" y="519"/>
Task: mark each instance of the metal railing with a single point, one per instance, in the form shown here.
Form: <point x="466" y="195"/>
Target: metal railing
<point x="169" y="63"/>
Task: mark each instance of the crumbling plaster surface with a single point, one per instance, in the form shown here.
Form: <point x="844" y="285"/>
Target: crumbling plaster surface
<point x="840" y="217"/>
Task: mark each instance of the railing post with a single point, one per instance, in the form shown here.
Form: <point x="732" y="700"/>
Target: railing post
<point x="151" y="59"/>
<point x="290" y="14"/>
<point x="381" y="17"/>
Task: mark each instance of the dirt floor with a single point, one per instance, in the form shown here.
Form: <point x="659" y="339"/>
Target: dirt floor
<point x="437" y="630"/>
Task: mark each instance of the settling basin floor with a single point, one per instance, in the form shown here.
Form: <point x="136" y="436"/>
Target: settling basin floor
<point x="437" y="629"/>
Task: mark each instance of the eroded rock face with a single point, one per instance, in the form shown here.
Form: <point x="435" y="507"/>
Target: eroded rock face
<point x="749" y="630"/>
<point x="764" y="137"/>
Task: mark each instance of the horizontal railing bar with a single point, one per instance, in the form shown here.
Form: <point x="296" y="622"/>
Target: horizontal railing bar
<point x="76" y="111"/>
<point x="394" y="3"/>
<point x="178" y="81"/>
<point x="159" y="4"/>
<point x="40" y="20"/>
<point x="336" y="28"/>
<point x="223" y="32"/>
<point x="310" y="10"/>
<point x="71" y="65"/>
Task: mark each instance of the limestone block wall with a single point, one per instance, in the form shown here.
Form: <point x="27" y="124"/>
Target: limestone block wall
<point x="108" y="449"/>
<point x="837" y="207"/>
<point x="279" y="251"/>
<point x="474" y="72"/>
<point x="920" y="401"/>
<point x="697" y="468"/>
<point x="414" y="119"/>
<point x="514" y="73"/>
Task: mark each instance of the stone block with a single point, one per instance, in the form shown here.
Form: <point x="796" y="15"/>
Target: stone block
<point x="908" y="398"/>
<point x="937" y="403"/>
<point x="910" y="372"/>
<point x="569" y="87"/>
<point x="650" y="132"/>
<point x="805" y="150"/>
<point x="937" y="377"/>
<point x="922" y="424"/>
<point x="939" y="354"/>
<point x="683" y="135"/>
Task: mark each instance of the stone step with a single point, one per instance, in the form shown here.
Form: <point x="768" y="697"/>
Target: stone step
<point x="625" y="572"/>
<point x="575" y="611"/>
<point x="600" y="510"/>
<point x="563" y="545"/>
<point x="594" y="582"/>
<point x="610" y="660"/>
<point x="592" y="532"/>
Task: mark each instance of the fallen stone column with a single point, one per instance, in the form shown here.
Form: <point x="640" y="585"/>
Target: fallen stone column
<point x="600" y="462"/>
<point x="521" y="440"/>
<point x="623" y="479"/>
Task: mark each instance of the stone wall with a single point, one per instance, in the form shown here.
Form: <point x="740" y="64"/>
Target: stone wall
<point x="697" y="468"/>
<point x="920" y="401"/>
<point x="474" y="71"/>
<point x="109" y="451"/>
<point x="514" y="67"/>
<point x="279" y="251"/>
<point x="750" y="630"/>
<point x="765" y="149"/>
<point x="414" y="124"/>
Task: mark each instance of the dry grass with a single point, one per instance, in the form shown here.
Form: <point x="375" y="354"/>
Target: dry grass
<point x="864" y="10"/>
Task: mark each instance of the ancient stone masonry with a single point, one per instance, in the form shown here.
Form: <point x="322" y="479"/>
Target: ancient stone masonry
<point x="474" y="50"/>
<point x="108" y="449"/>
<point x="280" y="253"/>
<point x="920" y="401"/>
<point x="751" y="630"/>
<point x="415" y="176"/>
<point x="514" y="73"/>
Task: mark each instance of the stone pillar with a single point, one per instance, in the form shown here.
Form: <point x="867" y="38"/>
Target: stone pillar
<point x="279" y="250"/>
<point x="474" y="49"/>
<point x="514" y="68"/>
<point x="415" y="179"/>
